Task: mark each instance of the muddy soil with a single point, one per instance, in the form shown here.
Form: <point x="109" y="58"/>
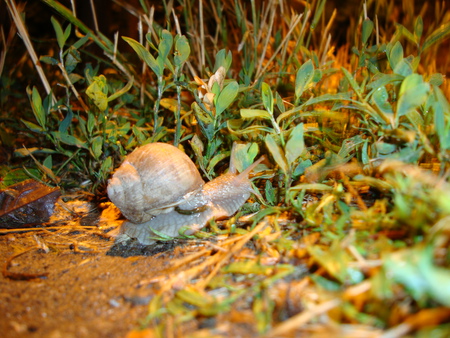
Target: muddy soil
<point x="74" y="282"/>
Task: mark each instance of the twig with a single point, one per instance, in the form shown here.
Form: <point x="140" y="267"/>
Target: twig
<point x="5" y="46"/>
<point x="302" y="318"/>
<point x="72" y="87"/>
<point x="26" y="39"/>
<point x="269" y="32"/>
<point x="19" y="275"/>
<point x="63" y="227"/>
<point x="352" y="191"/>
<point x="294" y="24"/>
<point x="397" y="331"/>
<point x="237" y="247"/>
<point x="202" y="36"/>
<point x="94" y="15"/>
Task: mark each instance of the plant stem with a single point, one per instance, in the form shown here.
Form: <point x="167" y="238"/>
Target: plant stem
<point x="156" y="105"/>
<point x="178" y="112"/>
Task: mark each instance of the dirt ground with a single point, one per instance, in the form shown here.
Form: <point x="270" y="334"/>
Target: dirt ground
<point x="72" y="281"/>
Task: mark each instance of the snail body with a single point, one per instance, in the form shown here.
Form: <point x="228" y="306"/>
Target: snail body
<point x="159" y="188"/>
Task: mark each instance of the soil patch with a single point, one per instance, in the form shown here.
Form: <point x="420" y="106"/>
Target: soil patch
<point x="75" y="283"/>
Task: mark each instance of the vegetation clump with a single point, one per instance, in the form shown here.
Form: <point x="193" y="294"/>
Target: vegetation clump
<point x="349" y="236"/>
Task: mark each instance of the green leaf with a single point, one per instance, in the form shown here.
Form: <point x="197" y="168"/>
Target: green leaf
<point x="38" y="109"/>
<point x="161" y="63"/>
<point x="226" y="97"/>
<point x="436" y="79"/>
<point x="418" y="28"/>
<point x="255" y="113"/>
<point x="91" y="122"/>
<point x="325" y="283"/>
<point x="413" y="93"/>
<point x="367" y="29"/>
<point x="33" y="127"/>
<point x="106" y="167"/>
<point x="384" y="79"/>
<point x="60" y="36"/>
<point x="81" y="41"/>
<point x="23" y="152"/>
<point x="317" y="75"/>
<point x="201" y="115"/>
<point x="145" y="55"/>
<point x="244" y="155"/>
<point x="182" y="50"/>
<point x="319" y="170"/>
<point x="414" y="269"/>
<point x="441" y="108"/>
<point x="267" y="97"/>
<point x="384" y="148"/>
<point x="74" y="78"/>
<point x="381" y="99"/>
<point x="148" y="37"/>
<point x="69" y="139"/>
<point x="311" y="187"/>
<point x="72" y="59"/>
<point x="66" y="122"/>
<point x="48" y="60"/>
<point x="165" y="44"/>
<point x="213" y="162"/>
<point x="194" y="297"/>
<point x="277" y="153"/>
<point x="349" y="145"/>
<point x="97" y="92"/>
<point x="395" y="55"/>
<point x="215" y="89"/>
<point x="18" y="175"/>
<point x="360" y="107"/>
<point x="139" y="134"/>
<point x="336" y="262"/>
<point x="235" y="127"/>
<point x="301" y="167"/>
<point x="262" y="309"/>
<point x="441" y="100"/>
<point x="48" y="162"/>
<point x="352" y="81"/>
<point x="438" y="278"/>
<point x="406" y="33"/>
<point x="223" y="59"/>
<point x="280" y="103"/>
<point x="379" y="184"/>
<point x="416" y="119"/>
<point x="327" y="97"/>
<point x="97" y="145"/>
<point x="437" y="36"/>
<point x="404" y="67"/>
<point x="270" y="193"/>
<point x="318" y="13"/>
<point x="303" y="78"/>
<point x="67" y="32"/>
<point x="122" y="91"/>
<point x="364" y="153"/>
<point x="295" y="145"/>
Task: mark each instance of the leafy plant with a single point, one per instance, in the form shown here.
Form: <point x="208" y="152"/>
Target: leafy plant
<point x="356" y="139"/>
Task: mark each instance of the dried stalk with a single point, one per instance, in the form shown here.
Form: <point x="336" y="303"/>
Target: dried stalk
<point x="16" y="15"/>
<point x="302" y="318"/>
<point x="296" y="20"/>
<point x="202" y="36"/>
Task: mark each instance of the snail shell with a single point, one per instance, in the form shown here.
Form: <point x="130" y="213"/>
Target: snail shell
<point x="153" y="179"/>
<point x="158" y="188"/>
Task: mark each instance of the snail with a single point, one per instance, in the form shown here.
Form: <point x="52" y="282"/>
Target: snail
<point x="159" y="188"/>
